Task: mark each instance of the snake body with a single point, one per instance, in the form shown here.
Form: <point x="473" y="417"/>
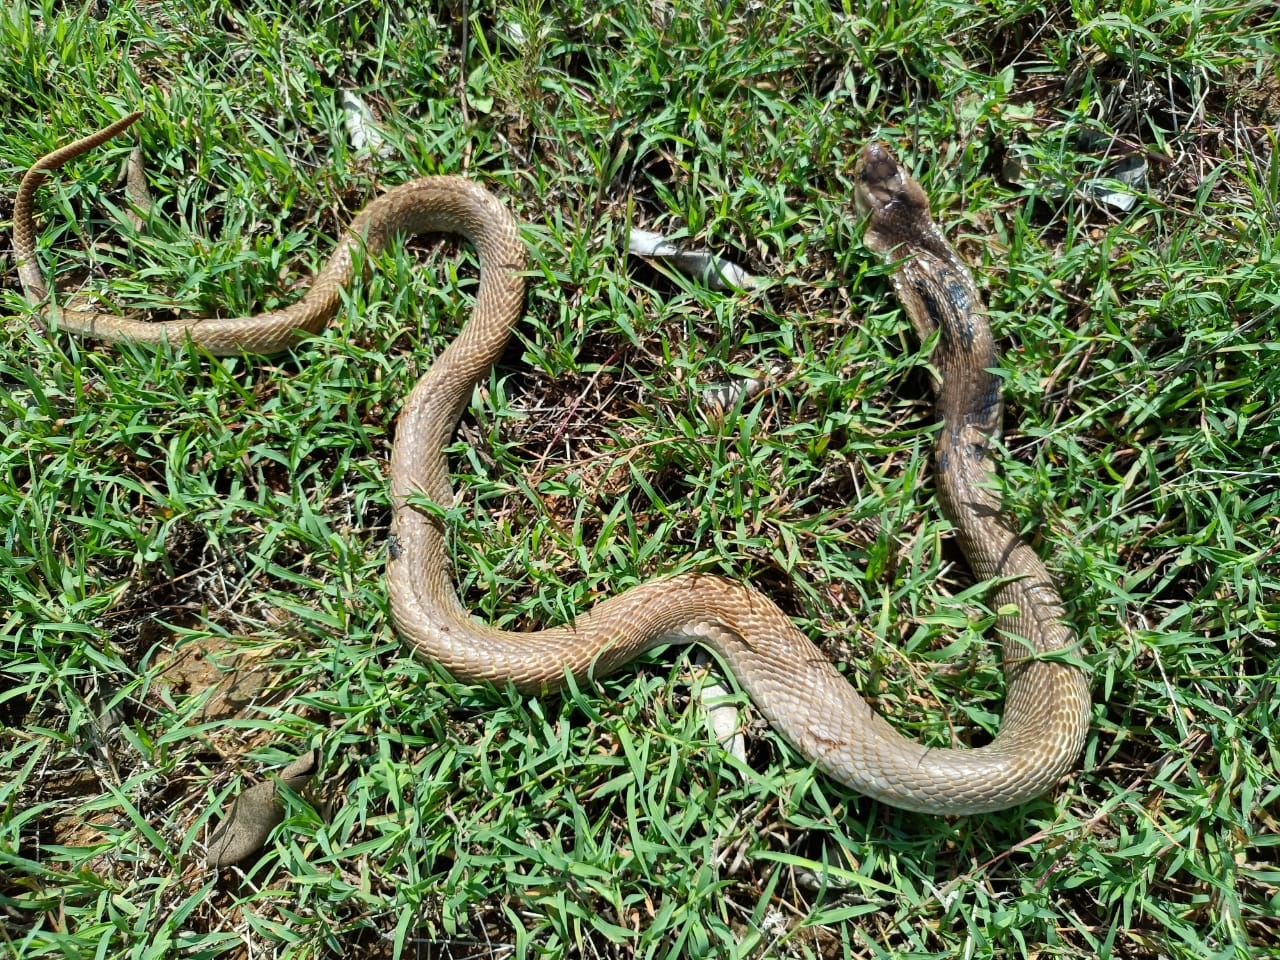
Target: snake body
<point x="789" y="679"/>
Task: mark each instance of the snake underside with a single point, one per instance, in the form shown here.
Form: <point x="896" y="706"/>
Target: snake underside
<point x="788" y="678"/>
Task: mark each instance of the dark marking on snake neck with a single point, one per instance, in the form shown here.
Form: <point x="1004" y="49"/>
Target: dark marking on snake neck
<point x="989" y="406"/>
<point x="957" y="293"/>
<point x="924" y="290"/>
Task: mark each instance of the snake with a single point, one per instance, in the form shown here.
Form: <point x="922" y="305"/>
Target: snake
<point x="810" y="703"/>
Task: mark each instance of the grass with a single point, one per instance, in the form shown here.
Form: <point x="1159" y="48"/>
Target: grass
<point x="194" y="549"/>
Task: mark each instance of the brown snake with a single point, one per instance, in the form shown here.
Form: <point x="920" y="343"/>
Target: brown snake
<point x="790" y="681"/>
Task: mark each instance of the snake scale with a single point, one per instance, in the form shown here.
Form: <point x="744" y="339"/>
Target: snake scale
<point x="790" y="681"/>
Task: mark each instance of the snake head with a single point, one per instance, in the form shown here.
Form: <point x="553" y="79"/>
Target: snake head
<point x="895" y="205"/>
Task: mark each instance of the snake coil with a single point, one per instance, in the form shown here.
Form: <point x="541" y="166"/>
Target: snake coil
<point x="1047" y="703"/>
